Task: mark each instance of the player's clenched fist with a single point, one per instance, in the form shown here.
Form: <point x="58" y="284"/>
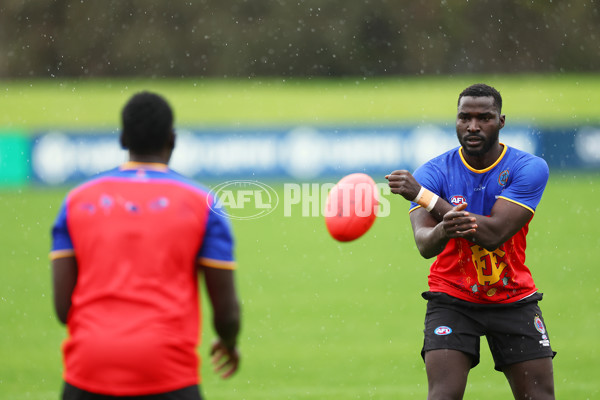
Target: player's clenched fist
<point x="403" y="183"/>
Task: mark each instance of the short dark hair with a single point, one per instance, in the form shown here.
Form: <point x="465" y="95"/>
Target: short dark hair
<point x="147" y="121"/>
<point x="482" y="90"/>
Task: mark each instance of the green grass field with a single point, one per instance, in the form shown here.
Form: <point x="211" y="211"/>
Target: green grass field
<point x="322" y="320"/>
<point x="528" y="99"/>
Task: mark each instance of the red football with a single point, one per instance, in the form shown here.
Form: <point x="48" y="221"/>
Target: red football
<point x="351" y="207"/>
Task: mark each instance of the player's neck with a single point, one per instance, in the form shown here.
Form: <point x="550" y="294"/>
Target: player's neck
<point x="486" y="160"/>
<point x="149" y="158"/>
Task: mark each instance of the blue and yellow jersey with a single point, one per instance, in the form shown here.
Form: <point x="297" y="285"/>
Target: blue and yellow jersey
<point x="464" y="269"/>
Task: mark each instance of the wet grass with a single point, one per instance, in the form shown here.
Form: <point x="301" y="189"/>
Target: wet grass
<point x="324" y="319"/>
<point x="321" y="319"/>
<point x="537" y="100"/>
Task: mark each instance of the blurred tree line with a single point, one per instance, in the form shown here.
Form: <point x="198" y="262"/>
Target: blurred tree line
<point x="246" y="38"/>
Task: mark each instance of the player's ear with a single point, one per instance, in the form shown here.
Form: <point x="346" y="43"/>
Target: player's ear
<point x="502" y="120"/>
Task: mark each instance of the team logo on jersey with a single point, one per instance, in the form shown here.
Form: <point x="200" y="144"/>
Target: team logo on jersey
<point x="539" y="325"/>
<point x="503" y="178"/>
<point x="456" y="200"/>
<point x="442" y="330"/>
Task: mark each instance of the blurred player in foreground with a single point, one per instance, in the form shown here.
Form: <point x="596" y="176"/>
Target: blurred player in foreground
<point x="127" y="248"/>
<point x="471" y="208"/>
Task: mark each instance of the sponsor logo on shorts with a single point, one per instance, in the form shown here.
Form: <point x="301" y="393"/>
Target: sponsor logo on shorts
<point x="539" y="325"/>
<point x="442" y="330"/>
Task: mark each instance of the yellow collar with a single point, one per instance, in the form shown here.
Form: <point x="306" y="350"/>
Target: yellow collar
<point x="141" y="165"/>
<point x="481" y="171"/>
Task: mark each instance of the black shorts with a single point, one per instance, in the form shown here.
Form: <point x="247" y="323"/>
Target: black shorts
<point x="71" y="392"/>
<point x="515" y="332"/>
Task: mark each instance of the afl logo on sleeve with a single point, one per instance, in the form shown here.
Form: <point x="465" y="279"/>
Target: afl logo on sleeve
<point x="503" y="178"/>
<point x="442" y="330"/>
<point x="456" y="200"/>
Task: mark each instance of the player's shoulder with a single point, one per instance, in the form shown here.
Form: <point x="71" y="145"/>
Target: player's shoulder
<point x="526" y="168"/>
<point x="94" y="180"/>
<point x="189" y="183"/>
<point x="524" y="159"/>
<point x="519" y="154"/>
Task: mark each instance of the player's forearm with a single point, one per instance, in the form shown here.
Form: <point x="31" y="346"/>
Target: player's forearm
<point x="220" y="284"/>
<point x="430" y="241"/>
<point x="227" y="325"/>
<point x="440" y="209"/>
<point x="491" y="233"/>
<point x="64" y="279"/>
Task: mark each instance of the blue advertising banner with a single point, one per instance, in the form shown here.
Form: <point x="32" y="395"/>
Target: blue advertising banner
<point x="575" y="148"/>
<point x="300" y="153"/>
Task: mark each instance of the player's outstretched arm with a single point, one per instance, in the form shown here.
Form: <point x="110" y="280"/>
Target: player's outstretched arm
<point x="64" y="278"/>
<point x="220" y="285"/>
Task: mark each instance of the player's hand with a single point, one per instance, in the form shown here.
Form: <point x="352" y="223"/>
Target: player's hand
<point x="224" y="360"/>
<point x="403" y="183"/>
<point x="458" y="223"/>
